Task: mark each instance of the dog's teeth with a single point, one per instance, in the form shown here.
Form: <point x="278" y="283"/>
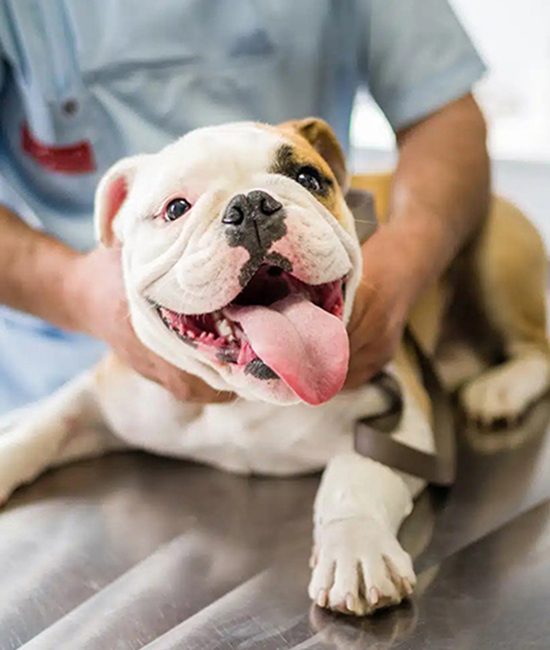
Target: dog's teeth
<point x="191" y="335"/>
<point x="224" y="328"/>
<point x="350" y="603"/>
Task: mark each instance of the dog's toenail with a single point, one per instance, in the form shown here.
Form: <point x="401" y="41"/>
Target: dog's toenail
<point x="374" y="596"/>
<point x="322" y="598"/>
<point x="407" y="587"/>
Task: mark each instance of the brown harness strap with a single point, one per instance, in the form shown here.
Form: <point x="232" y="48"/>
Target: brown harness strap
<point x="375" y="443"/>
<point x="438" y="468"/>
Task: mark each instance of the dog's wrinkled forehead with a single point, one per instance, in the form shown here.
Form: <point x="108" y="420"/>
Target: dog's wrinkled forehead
<point x="225" y="151"/>
<point x="235" y="155"/>
<point x="260" y="146"/>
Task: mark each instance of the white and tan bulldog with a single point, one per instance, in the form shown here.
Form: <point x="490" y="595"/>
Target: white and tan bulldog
<point x="241" y="262"/>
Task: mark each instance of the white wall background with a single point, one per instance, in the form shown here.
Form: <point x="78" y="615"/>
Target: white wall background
<point x="514" y="39"/>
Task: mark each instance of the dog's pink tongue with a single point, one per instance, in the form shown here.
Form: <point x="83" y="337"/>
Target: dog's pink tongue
<point x="305" y="345"/>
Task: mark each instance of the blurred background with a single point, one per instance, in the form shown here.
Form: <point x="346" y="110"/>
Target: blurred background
<point x="514" y="40"/>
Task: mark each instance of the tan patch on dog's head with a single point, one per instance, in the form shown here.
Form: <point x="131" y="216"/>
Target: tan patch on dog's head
<point x="310" y="145"/>
<point x="317" y="135"/>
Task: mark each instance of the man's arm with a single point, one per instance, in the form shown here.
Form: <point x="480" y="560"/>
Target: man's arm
<point x="442" y="186"/>
<point x="83" y="293"/>
<point x="440" y="197"/>
<point x="33" y="272"/>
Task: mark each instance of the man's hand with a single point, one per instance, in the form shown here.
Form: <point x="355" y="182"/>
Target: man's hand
<point x="382" y="302"/>
<point x="440" y="198"/>
<point x="95" y="287"/>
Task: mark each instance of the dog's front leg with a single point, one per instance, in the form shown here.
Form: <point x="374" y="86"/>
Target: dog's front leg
<point x="358" y="564"/>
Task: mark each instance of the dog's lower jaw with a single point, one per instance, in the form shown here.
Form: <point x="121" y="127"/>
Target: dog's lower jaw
<point x="358" y="565"/>
<point x="231" y="361"/>
<point x="151" y="331"/>
<point x="154" y="334"/>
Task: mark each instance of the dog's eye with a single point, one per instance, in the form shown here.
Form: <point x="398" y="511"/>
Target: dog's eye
<point x="176" y="209"/>
<point x="309" y="178"/>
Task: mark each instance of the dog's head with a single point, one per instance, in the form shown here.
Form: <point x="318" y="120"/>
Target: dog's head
<point x="240" y="256"/>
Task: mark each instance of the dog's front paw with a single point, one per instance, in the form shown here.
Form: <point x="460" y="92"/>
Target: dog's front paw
<point x="359" y="567"/>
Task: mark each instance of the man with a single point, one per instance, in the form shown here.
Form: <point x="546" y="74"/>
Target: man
<point x="85" y="83"/>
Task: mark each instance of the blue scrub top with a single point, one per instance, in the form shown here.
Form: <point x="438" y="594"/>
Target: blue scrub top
<point x="86" y="82"/>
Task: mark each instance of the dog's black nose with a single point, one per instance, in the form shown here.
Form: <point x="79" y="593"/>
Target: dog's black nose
<point x="256" y="205"/>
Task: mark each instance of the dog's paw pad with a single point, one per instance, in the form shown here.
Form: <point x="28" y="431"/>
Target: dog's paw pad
<point x="360" y="567"/>
<point x="502" y="394"/>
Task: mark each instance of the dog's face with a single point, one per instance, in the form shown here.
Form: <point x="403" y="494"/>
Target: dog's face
<point x="240" y="256"/>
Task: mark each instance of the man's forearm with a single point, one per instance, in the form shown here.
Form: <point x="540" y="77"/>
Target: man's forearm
<point x="33" y="271"/>
<point x="441" y="189"/>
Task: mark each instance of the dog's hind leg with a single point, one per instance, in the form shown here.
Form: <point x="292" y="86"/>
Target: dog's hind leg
<point x="510" y="273"/>
<point x="63" y="427"/>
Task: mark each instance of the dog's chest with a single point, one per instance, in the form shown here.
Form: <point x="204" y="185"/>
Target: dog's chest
<point x="258" y="438"/>
<point x="244" y="436"/>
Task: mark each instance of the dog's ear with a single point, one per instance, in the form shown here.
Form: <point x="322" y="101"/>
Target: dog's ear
<point x="321" y="137"/>
<point x="110" y="195"/>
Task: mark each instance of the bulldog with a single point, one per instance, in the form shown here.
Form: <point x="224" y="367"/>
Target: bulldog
<point x="241" y="262"/>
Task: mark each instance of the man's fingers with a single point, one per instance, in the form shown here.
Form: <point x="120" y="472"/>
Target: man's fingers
<point x="360" y="377"/>
<point x="367" y="361"/>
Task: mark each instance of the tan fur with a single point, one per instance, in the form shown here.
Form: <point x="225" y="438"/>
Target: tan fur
<point x="512" y="269"/>
<point x="380" y="186"/>
<point x="109" y="367"/>
<point x="409" y="374"/>
<point x="314" y="142"/>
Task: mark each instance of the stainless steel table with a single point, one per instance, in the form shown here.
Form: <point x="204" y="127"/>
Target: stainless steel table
<point x="133" y="551"/>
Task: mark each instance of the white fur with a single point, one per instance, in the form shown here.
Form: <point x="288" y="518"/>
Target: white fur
<point x="245" y="437"/>
<point x="358" y="564"/>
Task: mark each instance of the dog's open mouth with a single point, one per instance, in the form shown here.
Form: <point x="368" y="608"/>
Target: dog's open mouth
<point x="277" y="327"/>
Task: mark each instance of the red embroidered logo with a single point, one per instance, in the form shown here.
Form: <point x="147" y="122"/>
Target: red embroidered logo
<point x="76" y="158"/>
